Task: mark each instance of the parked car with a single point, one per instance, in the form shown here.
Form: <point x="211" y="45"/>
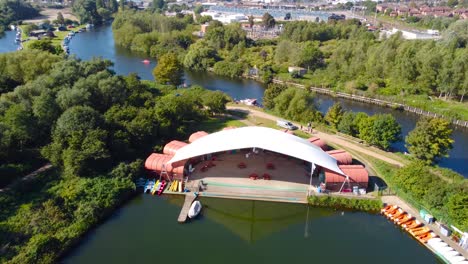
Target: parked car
<point x="286" y="124"/>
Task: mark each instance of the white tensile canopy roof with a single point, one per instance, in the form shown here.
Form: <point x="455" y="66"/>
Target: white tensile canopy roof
<point x="258" y="137"/>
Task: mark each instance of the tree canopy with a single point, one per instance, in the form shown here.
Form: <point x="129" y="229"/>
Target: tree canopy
<point x="168" y="70"/>
<point x="430" y="139"/>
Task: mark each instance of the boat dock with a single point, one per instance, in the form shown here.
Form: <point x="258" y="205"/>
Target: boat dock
<point x="189" y="198"/>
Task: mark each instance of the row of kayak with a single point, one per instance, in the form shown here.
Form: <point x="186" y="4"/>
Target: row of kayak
<point x="408" y="222"/>
<point x="422" y="233"/>
<point x="158" y="187"/>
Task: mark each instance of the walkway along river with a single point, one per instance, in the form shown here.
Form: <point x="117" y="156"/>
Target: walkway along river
<point x="100" y="42"/>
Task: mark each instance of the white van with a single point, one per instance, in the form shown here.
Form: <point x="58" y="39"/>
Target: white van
<point x="286" y="124"/>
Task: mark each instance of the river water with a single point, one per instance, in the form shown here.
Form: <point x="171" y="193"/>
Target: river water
<point x="239" y="231"/>
<point x="100" y="43"/>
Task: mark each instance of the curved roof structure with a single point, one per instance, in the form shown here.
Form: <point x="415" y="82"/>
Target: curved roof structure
<point x="343" y="157"/>
<point x="356" y="173"/>
<point x="318" y="142"/>
<point x="197" y="135"/>
<point x="258" y="137"/>
<point x="172" y="147"/>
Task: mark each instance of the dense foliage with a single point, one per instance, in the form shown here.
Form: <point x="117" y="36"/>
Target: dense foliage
<point x="153" y="33"/>
<point x="369" y="205"/>
<point x="430" y="140"/>
<point x="12" y="11"/>
<point x="169" y="70"/>
<point x="444" y="194"/>
<point x="94" y="11"/>
<point x="94" y="127"/>
<point x="294" y="104"/>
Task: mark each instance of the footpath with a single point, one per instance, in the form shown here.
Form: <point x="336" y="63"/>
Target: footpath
<point x="28" y="177"/>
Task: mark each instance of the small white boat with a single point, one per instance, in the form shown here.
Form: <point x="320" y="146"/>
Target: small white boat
<point x="249" y="101"/>
<point x="195" y="209"/>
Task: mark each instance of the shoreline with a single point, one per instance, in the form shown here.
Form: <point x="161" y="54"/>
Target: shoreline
<point x="365" y="99"/>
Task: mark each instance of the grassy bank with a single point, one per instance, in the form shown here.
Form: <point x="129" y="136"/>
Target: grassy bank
<point x="57" y="41"/>
<point x="368" y="205"/>
<point x="451" y="109"/>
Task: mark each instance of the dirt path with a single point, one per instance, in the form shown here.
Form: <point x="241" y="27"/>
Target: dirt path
<point x="29" y="176"/>
<point x="327" y="137"/>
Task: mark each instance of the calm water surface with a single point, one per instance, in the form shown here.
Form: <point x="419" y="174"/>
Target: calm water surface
<point x="100" y="42"/>
<point x="7" y="42"/>
<point x="233" y="231"/>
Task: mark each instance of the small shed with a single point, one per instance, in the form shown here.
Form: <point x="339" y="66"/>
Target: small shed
<point x="158" y="163"/>
<point x="197" y="135"/>
<point x="172" y="147"/>
<point x="318" y="142"/>
<point x="343" y="157"/>
<point x="358" y="176"/>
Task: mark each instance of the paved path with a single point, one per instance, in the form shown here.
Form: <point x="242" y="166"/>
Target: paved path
<point x="327" y="137"/>
<point x="29" y="176"/>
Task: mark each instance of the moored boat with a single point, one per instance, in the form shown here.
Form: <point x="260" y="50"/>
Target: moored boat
<point x="195" y="209"/>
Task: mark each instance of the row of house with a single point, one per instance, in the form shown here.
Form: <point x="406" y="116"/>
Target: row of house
<point x="436" y="11"/>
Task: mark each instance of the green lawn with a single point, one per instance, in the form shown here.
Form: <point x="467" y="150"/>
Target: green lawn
<point x="55" y="41"/>
<point x="217" y="123"/>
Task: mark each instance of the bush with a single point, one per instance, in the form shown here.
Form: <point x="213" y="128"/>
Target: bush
<point x="368" y="205"/>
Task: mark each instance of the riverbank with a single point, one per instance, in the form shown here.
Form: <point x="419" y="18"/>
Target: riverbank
<point x="58" y="40"/>
<point x="445" y="107"/>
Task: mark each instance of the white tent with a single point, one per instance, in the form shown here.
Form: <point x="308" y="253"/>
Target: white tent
<point x="258" y="137"/>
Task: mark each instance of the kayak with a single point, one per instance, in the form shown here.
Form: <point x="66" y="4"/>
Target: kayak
<point x="161" y="188"/>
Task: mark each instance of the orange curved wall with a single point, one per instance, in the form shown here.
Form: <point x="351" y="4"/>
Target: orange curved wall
<point x="156" y="161"/>
<point x="343" y="157"/>
<point x="172" y="147"/>
<point x="197" y="135"/>
<point x="318" y="142"/>
<point x="356" y="173"/>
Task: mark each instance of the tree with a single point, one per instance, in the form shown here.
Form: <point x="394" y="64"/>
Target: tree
<point x="334" y="114"/>
<point x="18" y="127"/>
<point x="268" y="21"/>
<point x="430" y="139"/>
<point x="78" y="142"/>
<point x="200" y="56"/>
<point x="60" y="18"/>
<point x="347" y="125"/>
<point x="273" y="91"/>
<point x="169" y="70"/>
<point x="215" y="101"/>
<point x="380" y="130"/>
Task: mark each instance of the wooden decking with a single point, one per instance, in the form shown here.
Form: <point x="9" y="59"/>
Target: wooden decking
<point x="189" y="198"/>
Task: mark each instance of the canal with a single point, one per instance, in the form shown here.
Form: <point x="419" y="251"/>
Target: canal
<point x="238" y="231"/>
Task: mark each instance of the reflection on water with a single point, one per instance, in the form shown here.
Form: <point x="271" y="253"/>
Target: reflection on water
<point x="234" y="231"/>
